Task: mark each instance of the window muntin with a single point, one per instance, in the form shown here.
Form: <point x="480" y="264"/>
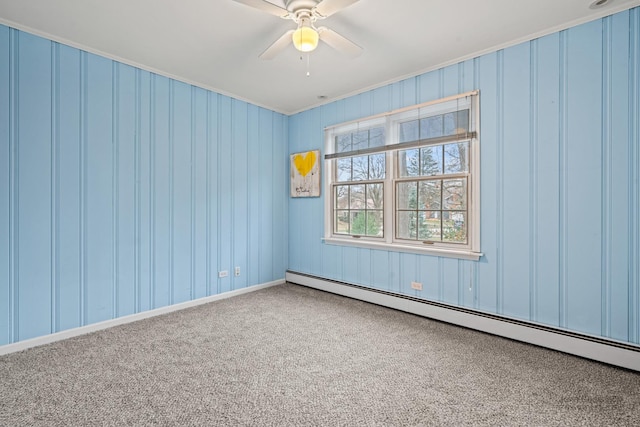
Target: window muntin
<point x="408" y="178"/>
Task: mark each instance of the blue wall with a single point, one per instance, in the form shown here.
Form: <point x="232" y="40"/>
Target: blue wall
<point x="560" y="187"/>
<point x="123" y="191"/>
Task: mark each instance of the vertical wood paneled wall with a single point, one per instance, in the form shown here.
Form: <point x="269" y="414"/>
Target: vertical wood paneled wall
<point x="560" y="187"/>
<point x="123" y="191"/>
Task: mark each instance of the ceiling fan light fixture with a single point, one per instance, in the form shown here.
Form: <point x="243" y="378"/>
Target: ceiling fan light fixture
<point x="305" y="38"/>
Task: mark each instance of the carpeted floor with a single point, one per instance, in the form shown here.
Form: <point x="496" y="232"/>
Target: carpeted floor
<point x="293" y="356"/>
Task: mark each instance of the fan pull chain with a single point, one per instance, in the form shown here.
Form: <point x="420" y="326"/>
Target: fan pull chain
<point x="308" y="62"/>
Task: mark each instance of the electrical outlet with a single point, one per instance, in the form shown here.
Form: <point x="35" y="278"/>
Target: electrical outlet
<point x="237" y="271"/>
<point x="223" y="273"/>
<point x="416" y="285"/>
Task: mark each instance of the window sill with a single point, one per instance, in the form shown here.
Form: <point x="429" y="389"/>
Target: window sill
<point x="398" y="247"/>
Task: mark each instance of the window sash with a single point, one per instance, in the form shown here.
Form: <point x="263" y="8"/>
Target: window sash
<point x="440" y="208"/>
<point x="365" y="208"/>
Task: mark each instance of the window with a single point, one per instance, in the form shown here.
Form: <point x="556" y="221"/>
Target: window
<point x="407" y="180"/>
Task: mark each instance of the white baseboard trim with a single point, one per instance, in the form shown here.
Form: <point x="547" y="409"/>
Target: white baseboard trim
<point x="70" y="333"/>
<point x="612" y="352"/>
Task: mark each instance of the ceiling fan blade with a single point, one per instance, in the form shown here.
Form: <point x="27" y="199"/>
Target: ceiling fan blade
<point x="339" y="43"/>
<point x="277" y="46"/>
<point x="265" y="6"/>
<point x="328" y="7"/>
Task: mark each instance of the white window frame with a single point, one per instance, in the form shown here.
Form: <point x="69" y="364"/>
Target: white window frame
<point x="391" y="121"/>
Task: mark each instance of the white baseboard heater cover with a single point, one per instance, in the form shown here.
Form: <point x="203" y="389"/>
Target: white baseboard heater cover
<point x="613" y="352"/>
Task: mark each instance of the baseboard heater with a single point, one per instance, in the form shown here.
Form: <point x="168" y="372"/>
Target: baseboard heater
<point x="604" y="350"/>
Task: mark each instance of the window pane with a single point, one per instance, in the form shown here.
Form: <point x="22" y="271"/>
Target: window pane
<point x="343" y="143"/>
<point x="360" y="140"/>
<point x="454" y="194"/>
<point x="449" y="124"/>
<point x="456" y="158"/>
<point x="377" y="166"/>
<point x="409" y="131"/>
<point x="342" y="222"/>
<point x="462" y="124"/>
<point x="344" y="170"/>
<point x="376" y="137"/>
<point x="430" y="226"/>
<point x="431" y="160"/>
<point x="374" y="224"/>
<point x="456" y="122"/>
<point x="358" y="222"/>
<point x="360" y="168"/>
<point x="408" y="162"/>
<point x="407" y="195"/>
<point x="407" y="225"/>
<point x="429" y="194"/>
<point x="356" y="200"/>
<point x="454" y="227"/>
<point x="431" y="127"/>
<point x="375" y="196"/>
<point x="342" y="197"/>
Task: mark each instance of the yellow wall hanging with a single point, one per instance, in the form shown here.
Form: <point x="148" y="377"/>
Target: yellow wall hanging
<point x="305" y="174"/>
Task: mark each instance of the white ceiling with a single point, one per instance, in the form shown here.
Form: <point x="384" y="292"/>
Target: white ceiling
<point x="215" y="43"/>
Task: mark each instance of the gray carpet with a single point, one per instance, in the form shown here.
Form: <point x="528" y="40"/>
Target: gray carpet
<point x="293" y="356"/>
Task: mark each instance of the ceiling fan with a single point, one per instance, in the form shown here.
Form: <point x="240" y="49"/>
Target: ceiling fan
<point x="305" y="13"/>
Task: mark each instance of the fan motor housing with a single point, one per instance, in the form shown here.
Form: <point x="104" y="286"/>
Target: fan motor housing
<point x="296" y="5"/>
